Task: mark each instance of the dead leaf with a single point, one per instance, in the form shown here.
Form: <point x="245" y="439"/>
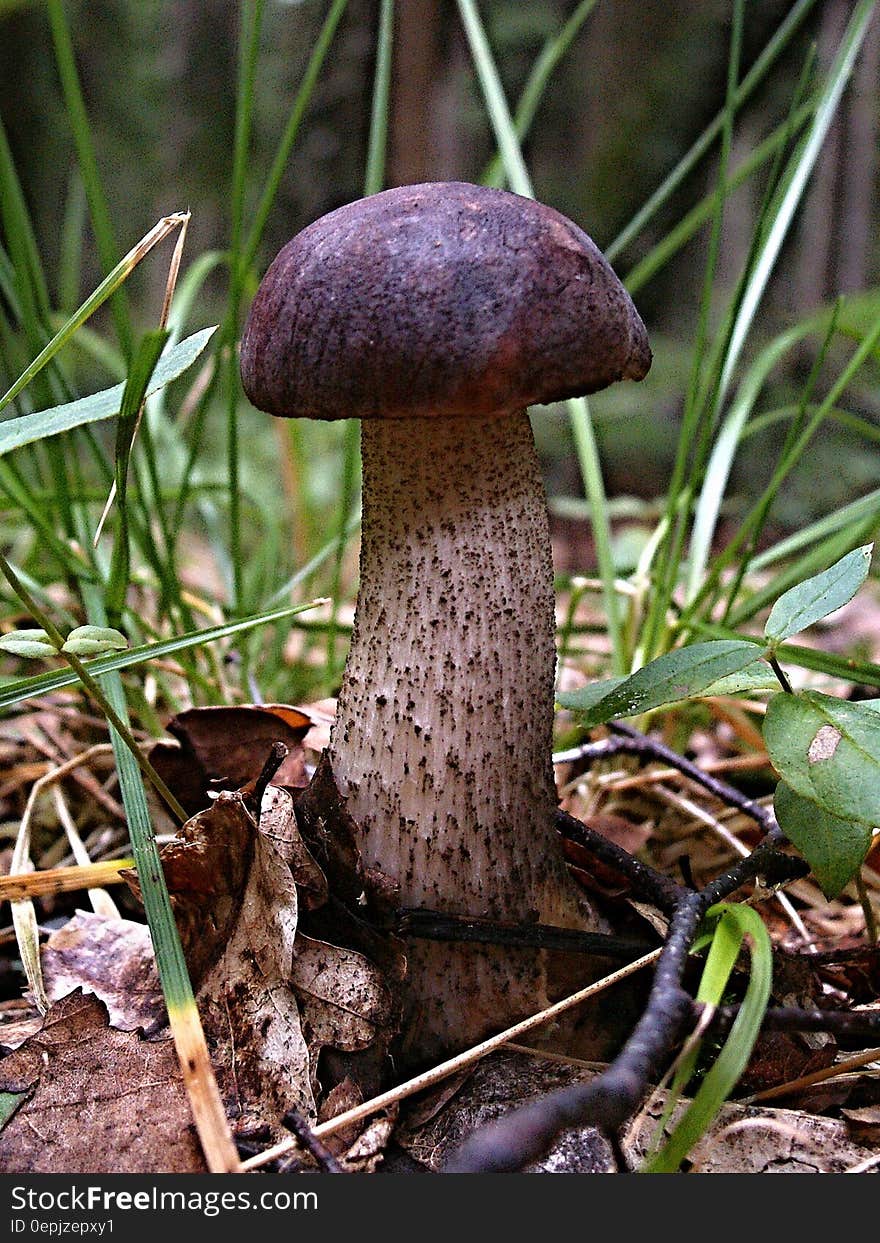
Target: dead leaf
<point x="236" y="904"/>
<point x="99" y="1100"/>
<point x="226" y="747"/>
<point x="278" y="823"/>
<point x="331" y="834"/>
<point x="114" y="960"/>
<point x="344" y="1000"/>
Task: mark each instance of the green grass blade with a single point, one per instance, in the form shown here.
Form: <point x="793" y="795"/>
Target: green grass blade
<point x="859" y="512"/>
<point x="71" y="256"/>
<point x="19" y="690"/>
<point x="112" y="282"/>
<point x="795" y="184"/>
<point x="291" y="129"/>
<point x="759" y="70"/>
<point x="725" y="1072"/>
<point x="143" y="367"/>
<point x="374" y="177"/>
<point x="673" y="241"/>
<point x="724" y="453"/>
<point x="88" y="164"/>
<point x="579" y="413"/>
<point x="26" y="429"/>
<point x="693" y="430"/>
<point x="496" y="104"/>
<point x="537" y="82"/>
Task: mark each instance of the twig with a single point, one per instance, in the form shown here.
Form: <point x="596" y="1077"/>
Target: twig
<point x="455" y="1064"/>
<point x="606" y="1102"/>
<point x="296" y="1123"/>
<point x="438" y="926"/>
<point x="628" y="741"/>
<point x="853" y="1024"/>
<point x="649" y="884"/>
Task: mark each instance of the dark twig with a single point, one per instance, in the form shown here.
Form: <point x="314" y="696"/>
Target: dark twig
<point x="278" y="753"/>
<point x="438" y="926"/>
<point x="648" y="884"/>
<point x="297" y="1125"/>
<point x="852" y="1024"/>
<point x="607" y="1101"/>
<point x="625" y="740"/>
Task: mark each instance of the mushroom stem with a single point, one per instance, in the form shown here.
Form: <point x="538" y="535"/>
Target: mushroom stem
<point x="442" y="744"/>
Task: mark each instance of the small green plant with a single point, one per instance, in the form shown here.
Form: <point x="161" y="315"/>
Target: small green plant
<point x="825" y="749"/>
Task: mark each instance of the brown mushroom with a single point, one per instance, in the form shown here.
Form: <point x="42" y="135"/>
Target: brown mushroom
<point x="437" y="313"/>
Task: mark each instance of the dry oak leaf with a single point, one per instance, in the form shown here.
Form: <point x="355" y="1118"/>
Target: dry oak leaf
<point x="98" y="1100"/>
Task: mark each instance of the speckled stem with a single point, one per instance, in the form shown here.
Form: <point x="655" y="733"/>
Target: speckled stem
<point x="442" y="745"/>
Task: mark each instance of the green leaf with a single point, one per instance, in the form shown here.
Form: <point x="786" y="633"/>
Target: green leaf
<point x="9" y="1102"/>
<point x="584" y="698"/>
<point x="94" y="641"/>
<point x="828" y="751"/>
<point x="758" y="676"/>
<point x="815" y="598"/>
<point x="104" y="405"/>
<point x="682" y="674"/>
<point x="33" y="644"/>
<point x="834" y="848"/>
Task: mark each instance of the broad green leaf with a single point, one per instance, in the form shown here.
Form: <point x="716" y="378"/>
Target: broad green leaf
<point x="94" y="641"/>
<point x="678" y="675"/>
<point x="32" y="644"/>
<point x="834" y="848"/>
<point x="586" y="696"/>
<point x="828" y="751"/>
<point x="757" y="676"/>
<point x="810" y="601"/>
<point x="104" y="405"/>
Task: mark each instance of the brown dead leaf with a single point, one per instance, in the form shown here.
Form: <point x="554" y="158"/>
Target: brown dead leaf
<point x="224" y="748"/>
<point x="345" y="1002"/>
<point x="114" y="960"/>
<point x="19" y="1019"/>
<point x="331" y="834"/>
<point x="98" y="1100"/>
<point x="278" y="824"/>
<point x="236" y="904"/>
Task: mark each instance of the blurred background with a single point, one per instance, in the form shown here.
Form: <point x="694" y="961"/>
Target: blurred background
<point x="638" y="85"/>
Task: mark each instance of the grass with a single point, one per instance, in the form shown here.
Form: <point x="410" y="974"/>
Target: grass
<point x="195" y="533"/>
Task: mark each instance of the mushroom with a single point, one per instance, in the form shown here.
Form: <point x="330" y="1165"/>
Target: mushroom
<point x="437" y="313"/>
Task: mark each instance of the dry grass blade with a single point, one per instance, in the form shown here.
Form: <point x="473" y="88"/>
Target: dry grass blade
<point x="179" y="220"/>
<point x="62" y="880"/>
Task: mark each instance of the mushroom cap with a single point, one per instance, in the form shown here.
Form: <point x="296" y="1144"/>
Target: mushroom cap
<point x="437" y="299"/>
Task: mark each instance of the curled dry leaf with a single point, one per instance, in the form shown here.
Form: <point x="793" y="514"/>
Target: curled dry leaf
<point x="113" y="959"/>
<point x="96" y="1100"/>
<point x="278" y="824"/>
<point x="270" y="998"/>
<point x="220" y="748"/>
